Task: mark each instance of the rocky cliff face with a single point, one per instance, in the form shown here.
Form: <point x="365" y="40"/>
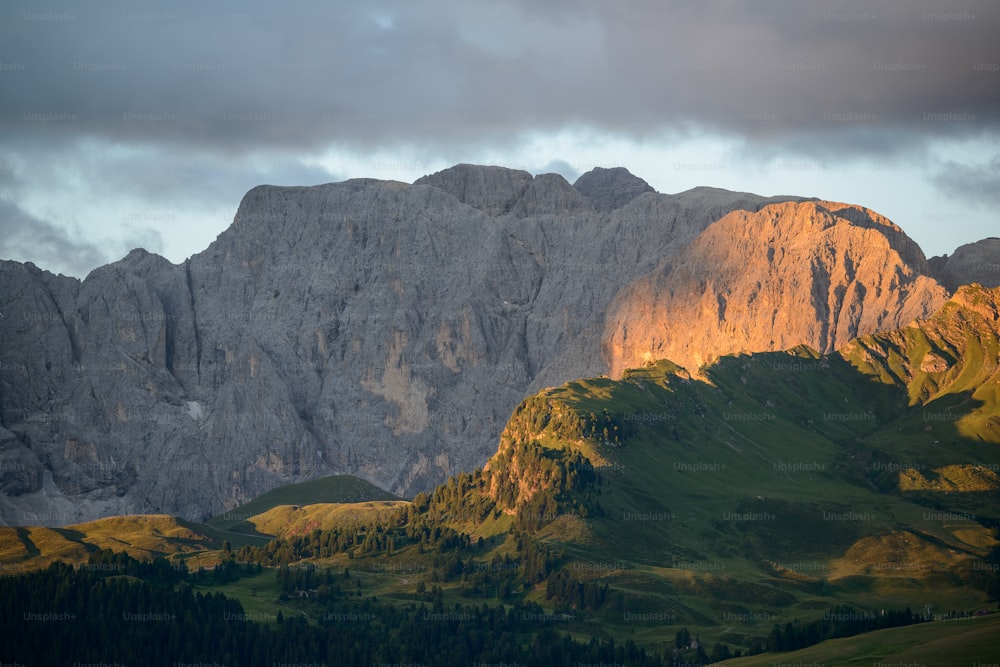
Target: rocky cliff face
<point x="977" y="262"/>
<point x="819" y="273"/>
<point x="609" y="189"/>
<point x="388" y="330"/>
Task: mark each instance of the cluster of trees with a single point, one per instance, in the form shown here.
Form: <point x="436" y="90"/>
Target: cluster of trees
<point x="497" y="578"/>
<point x="605" y="428"/>
<point x="540" y="483"/>
<point x="63" y="615"/>
<point x="840" y="621"/>
<point x="538" y="561"/>
<point x="539" y="413"/>
<point x="322" y="585"/>
<point x="532" y="563"/>
<point x="315" y="544"/>
<point x="158" y="570"/>
<point x="377" y="537"/>
<point x="224" y="572"/>
<point x="530" y="418"/>
<point x="566" y="589"/>
<point x="689" y="650"/>
<point x="462" y="498"/>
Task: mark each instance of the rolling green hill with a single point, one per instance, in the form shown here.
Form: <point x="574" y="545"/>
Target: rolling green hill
<point x="141" y="536"/>
<point x="318" y="503"/>
<point x="959" y="642"/>
<point x="291" y="520"/>
<point x="330" y="489"/>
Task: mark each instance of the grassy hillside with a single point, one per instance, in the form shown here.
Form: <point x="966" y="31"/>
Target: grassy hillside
<point x="959" y="642"/>
<point x="292" y="520"/>
<point x="749" y="500"/>
<point x="141" y="536"/>
<point x="331" y="489"/>
<point x="289" y="510"/>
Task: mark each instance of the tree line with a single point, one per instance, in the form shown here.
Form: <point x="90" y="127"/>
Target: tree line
<point x="64" y="615"/>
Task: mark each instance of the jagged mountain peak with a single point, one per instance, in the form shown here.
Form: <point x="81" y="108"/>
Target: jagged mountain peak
<point x="983" y="300"/>
<point x="491" y="189"/>
<point x="138" y="260"/>
<point x="551" y="194"/>
<point x="611" y="188"/>
<point x="972" y="262"/>
<point x="498" y="191"/>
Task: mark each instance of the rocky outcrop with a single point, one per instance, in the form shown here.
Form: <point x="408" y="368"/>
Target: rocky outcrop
<point x="612" y="188"/>
<point x="951" y="352"/>
<point x="388" y="330"/>
<point x="492" y="190"/>
<point x="818" y="273"/>
<point x="550" y="194"/>
<point x="977" y="262"/>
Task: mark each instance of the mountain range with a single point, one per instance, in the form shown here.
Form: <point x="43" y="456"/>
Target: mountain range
<point x="775" y="500"/>
<point x="388" y="330"/>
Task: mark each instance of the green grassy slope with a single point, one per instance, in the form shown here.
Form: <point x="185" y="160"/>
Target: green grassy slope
<point x="331" y="489"/>
<point x="942" y="644"/>
<point x="328" y="500"/>
<point x="141" y="536"/>
<point x="290" y="520"/>
<point x="731" y="505"/>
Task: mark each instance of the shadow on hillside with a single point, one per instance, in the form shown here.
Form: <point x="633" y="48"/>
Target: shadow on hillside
<point x="884" y="438"/>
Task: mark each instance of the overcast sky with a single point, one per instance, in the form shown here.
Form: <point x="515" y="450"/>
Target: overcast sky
<point x="141" y="124"/>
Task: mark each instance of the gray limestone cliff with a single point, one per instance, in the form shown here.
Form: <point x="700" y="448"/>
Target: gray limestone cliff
<point x="977" y="262"/>
<point x="374" y="328"/>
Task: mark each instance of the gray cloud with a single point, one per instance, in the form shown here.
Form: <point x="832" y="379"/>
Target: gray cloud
<point x="978" y="183"/>
<point x="46" y="244"/>
<point x="561" y="167"/>
<point x="162" y="110"/>
<point x="142" y="194"/>
<point x="192" y="179"/>
<point x="238" y="77"/>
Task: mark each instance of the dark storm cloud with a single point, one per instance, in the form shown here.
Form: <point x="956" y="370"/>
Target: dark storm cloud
<point x="231" y="77"/>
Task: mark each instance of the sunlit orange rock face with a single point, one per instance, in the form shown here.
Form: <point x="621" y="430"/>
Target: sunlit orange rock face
<point x="814" y="273"/>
